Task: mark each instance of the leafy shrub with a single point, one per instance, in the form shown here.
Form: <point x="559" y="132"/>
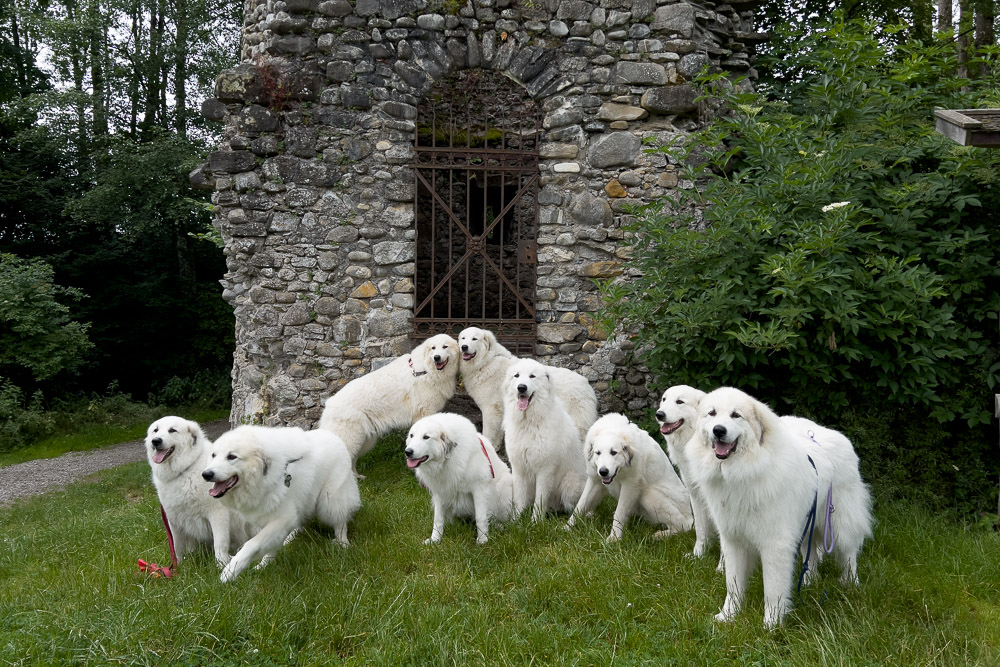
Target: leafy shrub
<point x="827" y="250"/>
<point x="20" y="423"/>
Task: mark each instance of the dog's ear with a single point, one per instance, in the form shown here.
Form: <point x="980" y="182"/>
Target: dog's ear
<point x="758" y="416"/>
<point x="627" y="451"/>
<point x="448" y="443"/>
<point x="489" y="340"/>
<point x="263" y="461"/>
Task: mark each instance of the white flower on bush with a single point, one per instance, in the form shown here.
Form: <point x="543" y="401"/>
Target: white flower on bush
<point x="836" y="204"/>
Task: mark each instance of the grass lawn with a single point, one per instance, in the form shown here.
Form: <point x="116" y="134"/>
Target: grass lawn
<point x="70" y="591"/>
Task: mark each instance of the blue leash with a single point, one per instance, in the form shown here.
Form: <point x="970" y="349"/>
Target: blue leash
<point x="828" y="537"/>
<point x="807" y="533"/>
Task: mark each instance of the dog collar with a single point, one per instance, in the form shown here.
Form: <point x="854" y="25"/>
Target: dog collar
<point x="416" y="374"/>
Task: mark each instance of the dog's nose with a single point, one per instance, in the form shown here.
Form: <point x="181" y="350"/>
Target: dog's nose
<point x="603" y="472"/>
<point x="437" y="357"/>
<point x="661" y="415"/>
<point x="409" y="452"/>
<point x="208" y="475"/>
<point x="522" y="388"/>
<point x="157" y="442"/>
<point x="719" y="431"/>
<point x="465" y="348"/>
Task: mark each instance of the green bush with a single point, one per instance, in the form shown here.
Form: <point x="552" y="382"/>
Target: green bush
<point x="829" y="252"/>
<point x="20" y="423"/>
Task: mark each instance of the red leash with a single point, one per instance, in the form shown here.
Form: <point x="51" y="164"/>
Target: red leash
<point x="487" y="455"/>
<point x="166" y="571"/>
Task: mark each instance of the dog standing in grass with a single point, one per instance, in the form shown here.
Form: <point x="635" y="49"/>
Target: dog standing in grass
<point x="622" y="460"/>
<point x="762" y="478"/>
<point x="543" y="443"/>
<point x="278" y="478"/>
<point x="677" y="416"/>
<point x="178" y="450"/>
<point x="462" y="471"/>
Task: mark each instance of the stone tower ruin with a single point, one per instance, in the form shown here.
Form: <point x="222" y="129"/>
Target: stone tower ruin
<point x="392" y="169"/>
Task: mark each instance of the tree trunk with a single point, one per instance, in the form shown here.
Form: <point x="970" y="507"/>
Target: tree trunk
<point x="945" y="17"/>
<point x="985" y="36"/>
<point x="133" y="80"/>
<point x="923" y="19"/>
<point x="152" y="69"/>
<point x="20" y="70"/>
<point x="963" y="41"/>
<point x="180" y="67"/>
<point x="95" y="26"/>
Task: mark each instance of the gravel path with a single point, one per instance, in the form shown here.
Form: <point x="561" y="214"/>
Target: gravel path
<point x="33" y="478"/>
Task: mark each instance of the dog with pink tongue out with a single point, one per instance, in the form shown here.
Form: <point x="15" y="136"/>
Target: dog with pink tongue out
<point x="543" y="443"/>
<point x="462" y="471"/>
<point x="677" y="415"/>
<point x="178" y="451"/>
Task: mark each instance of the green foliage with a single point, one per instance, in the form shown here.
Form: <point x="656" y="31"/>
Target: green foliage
<point x="834" y="250"/>
<point x="533" y="594"/>
<point x="36" y="332"/>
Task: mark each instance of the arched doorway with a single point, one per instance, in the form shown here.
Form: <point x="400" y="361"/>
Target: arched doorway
<point x="476" y="172"/>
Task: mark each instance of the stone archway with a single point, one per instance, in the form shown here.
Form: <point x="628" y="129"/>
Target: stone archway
<point x="476" y="179"/>
<point x="315" y="191"/>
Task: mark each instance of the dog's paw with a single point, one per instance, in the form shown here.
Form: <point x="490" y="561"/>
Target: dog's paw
<point x="723" y="617"/>
<point x="567" y="526"/>
<point x="482" y="539"/>
<point x="662" y="534"/>
<point x="430" y="540"/>
<point x="699" y="550"/>
<point x="613" y="538"/>
<point x="228" y="573"/>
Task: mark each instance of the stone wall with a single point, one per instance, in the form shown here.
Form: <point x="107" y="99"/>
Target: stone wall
<point x="314" y="191"/>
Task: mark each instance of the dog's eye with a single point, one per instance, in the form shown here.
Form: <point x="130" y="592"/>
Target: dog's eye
<point x="230" y="457"/>
<point x="532" y="376"/>
<point x="735" y="415"/>
<point x="597" y="453"/>
<point x="711" y="413"/>
<point x="173" y="430"/>
<point x="517" y="375"/>
<point x="679" y="402"/>
<point x="613" y="453"/>
<point x="427" y="437"/>
<point x="213" y="455"/>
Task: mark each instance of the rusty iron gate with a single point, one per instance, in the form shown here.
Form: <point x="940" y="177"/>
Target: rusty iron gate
<point x="476" y="204"/>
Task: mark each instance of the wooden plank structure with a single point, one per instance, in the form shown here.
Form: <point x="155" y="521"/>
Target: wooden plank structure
<point x="973" y="127"/>
<point x="970" y="127"/>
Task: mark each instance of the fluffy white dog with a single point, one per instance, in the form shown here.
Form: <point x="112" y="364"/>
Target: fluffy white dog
<point x="178" y="451"/>
<point x="462" y="471"/>
<point x="543" y="444"/>
<point x="625" y="462"/>
<point x="277" y="478"/>
<point x="394" y="396"/>
<point x="760" y="478"/>
<point x="677" y="416"/>
<point x="484" y="366"/>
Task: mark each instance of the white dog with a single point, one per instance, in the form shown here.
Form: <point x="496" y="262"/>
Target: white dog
<point x="677" y="416"/>
<point x="462" y="471"/>
<point x="625" y="462"/>
<point x="543" y="444"/>
<point x="178" y="451"/>
<point x="760" y="478"/>
<point x="277" y="478"/>
<point x="484" y="366"/>
<point x="394" y="396"/>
